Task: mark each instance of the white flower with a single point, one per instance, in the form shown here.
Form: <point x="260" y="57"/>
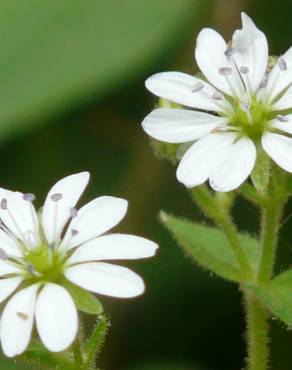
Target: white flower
<point x="37" y="253"/>
<point x="247" y="107"/>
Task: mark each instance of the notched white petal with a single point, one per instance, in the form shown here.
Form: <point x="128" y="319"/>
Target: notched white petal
<point x="114" y="247"/>
<point x="235" y="165"/>
<point x="179" y="125"/>
<point x="279" y="148"/>
<point x="94" y="219"/>
<point x="198" y="161"/>
<point x="56" y="318"/>
<point x="186" y="90"/>
<point x="61" y="198"/>
<point x="214" y="61"/>
<point x="107" y="279"/>
<point x="19" y="216"/>
<point x="8" y="286"/>
<point x="250" y="53"/>
<point x="17" y="321"/>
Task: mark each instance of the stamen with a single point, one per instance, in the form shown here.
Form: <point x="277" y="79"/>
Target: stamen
<point x="282" y="118"/>
<point x="29" y="197"/>
<point x="73" y="212"/>
<point x="282" y="64"/>
<point x="217" y="96"/>
<point x="3" y="203"/>
<point x="225" y="71"/>
<point x="228" y="52"/>
<point x="3" y="254"/>
<point x="244" y="70"/>
<point x="56" y="197"/>
<point x="52" y="246"/>
<point x="31" y="270"/>
<point x="74" y="232"/>
<point x="197" y="87"/>
<point x="264" y="83"/>
<point x="244" y="106"/>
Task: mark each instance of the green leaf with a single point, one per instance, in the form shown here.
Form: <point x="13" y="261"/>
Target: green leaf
<point x="84" y="300"/>
<point x="62" y="53"/>
<point x="209" y="247"/>
<point x="260" y="175"/>
<point x="276" y="296"/>
<point x="95" y="341"/>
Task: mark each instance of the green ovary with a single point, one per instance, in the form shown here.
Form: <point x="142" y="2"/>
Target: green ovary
<point x="48" y="264"/>
<point x="252" y="123"/>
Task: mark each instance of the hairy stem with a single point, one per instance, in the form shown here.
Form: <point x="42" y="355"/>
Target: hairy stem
<point x="256" y="315"/>
<point x="257" y="333"/>
<point x="270" y="226"/>
<point x="222" y="218"/>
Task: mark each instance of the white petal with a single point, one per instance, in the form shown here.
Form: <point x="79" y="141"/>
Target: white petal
<point x="56" y="318"/>
<point x="251" y="51"/>
<point x="94" y="219"/>
<point x="180" y="125"/>
<point x="9" y="245"/>
<point x="106" y="279"/>
<point x="7" y="267"/>
<point x="20" y="217"/>
<point x="210" y="58"/>
<point x="17" y="321"/>
<point x="280" y="79"/>
<point x="285" y="101"/>
<point x="8" y="286"/>
<point x="181" y="88"/>
<point x="279" y="148"/>
<point x="283" y="126"/>
<point x="114" y="247"/>
<point x="198" y="162"/>
<point x="56" y="214"/>
<point x="234" y="166"/>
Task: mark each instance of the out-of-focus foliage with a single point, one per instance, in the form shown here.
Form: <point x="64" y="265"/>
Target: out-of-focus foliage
<point x="62" y="52"/>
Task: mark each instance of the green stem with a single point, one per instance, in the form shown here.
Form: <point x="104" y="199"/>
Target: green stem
<point x="77" y="354"/>
<point x="257" y="333"/>
<point x="222" y="218"/>
<point x="270" y="226"/>
<point x="257" y="316"/>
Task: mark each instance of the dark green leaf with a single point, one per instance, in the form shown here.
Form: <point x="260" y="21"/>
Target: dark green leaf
<point x="209" y="247"/>
<point x="84" y="300"/>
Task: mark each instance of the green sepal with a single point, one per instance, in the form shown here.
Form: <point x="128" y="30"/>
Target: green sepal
<point x="94" y="344"/>
<point x="40" y="358"/>
<point x="165" y="151"/>
<point x="276" y="296"/>
<point x="84" y="300"/>
<point x="260" y="175"/>
<point x="209" y="247"/>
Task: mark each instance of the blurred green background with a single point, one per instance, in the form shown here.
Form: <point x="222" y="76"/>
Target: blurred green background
<point x="72" y="98"/>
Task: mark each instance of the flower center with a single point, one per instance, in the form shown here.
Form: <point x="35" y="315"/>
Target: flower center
<point x="250" y="119"/>
<point x="45" y="264"/>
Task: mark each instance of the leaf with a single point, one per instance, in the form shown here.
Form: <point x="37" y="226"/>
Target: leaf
<point x="62" y="53"/>
<point x="95" y="341"/>
<point x="209" y="247"/>
<point x="84" y="300"/>
<point x="276" y="296"/>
